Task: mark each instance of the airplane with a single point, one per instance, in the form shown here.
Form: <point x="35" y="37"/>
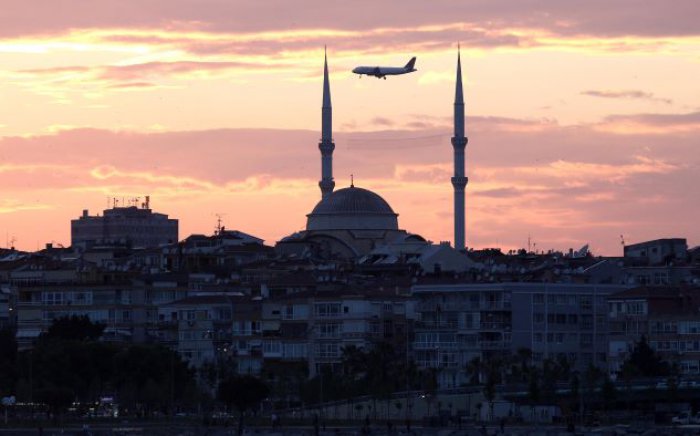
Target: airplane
<point x="382" y="72"/>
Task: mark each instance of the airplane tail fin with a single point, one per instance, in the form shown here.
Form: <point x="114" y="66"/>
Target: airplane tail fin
<point x="411" y="63"/>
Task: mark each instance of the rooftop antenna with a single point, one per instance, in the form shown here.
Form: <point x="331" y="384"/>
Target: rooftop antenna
<point x="622" y="240"/>
<point x="528" y="242"/>
<point x="352" y="181"/>
<point x="148" y="202"/>
<point x="218" y="223"/>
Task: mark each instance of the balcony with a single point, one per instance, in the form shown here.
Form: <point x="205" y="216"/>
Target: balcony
<point x="495" y="305"/>
<point x="495" y="325"/>
<point x="438" y="346"/>
<point x="494" y="345"/>
<point x="441" y="325"/>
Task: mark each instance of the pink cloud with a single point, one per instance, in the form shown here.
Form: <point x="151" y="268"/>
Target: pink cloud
<point x="597" y="17"/>
<point x="629" y="95"/>
<point x="563" y="185"/>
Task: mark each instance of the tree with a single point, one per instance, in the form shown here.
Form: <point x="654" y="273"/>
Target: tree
<point x="8" y="356"/>
<point x="473" y="369"/>
<point x="244" y="393"/>
<point x="533" y="390"/>
<point x="609" y="393"/>
<point x="77" y="328"/>
<point x="429" y="385"/>
<point x="58" y="399"/>
<point x="645" y="362"/>
<point x="575" y="391"/>
<point x="135" y="365"/>
<point x="549" y="380"/>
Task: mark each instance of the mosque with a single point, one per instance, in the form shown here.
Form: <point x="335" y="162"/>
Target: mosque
<point x="357" y="224"/>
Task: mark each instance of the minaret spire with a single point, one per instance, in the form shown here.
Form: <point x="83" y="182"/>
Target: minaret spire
<point x="326" y="145"/>
<point x="459" y="143"/>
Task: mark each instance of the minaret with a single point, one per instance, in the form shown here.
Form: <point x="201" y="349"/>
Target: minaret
<point x="326" y="145"/>
<point x="459" y="143"/>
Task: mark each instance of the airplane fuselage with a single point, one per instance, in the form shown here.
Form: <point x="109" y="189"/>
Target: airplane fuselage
<point x="382" y="72"/>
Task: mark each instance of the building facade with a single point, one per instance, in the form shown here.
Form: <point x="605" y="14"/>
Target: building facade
<point x="461" y="322"/>
<point x="666" y="316"/>
<point x="130" y="226"/>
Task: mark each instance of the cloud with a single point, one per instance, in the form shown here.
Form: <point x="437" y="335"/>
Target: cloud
<point x="180" y="68"/>
<point x="432" y="77"/>
<point x="651" y="123"/>
<point x="524" y="176"/>
<point x="382" y="121"/>
<point x="133" y="85"/>
<point x="596" y="17"/>
<point x="11" y="206"/>
<point x="629" y="95"/>
<point x="59" y="82"/>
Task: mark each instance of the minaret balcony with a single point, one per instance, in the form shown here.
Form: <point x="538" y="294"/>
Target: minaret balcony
<point x="458" y="143"/>
<point x="327" y="185"/>
<point x="326" y="147"/>
<point x="459" y="182"/>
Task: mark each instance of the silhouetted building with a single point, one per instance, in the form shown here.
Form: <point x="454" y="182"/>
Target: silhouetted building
<point x="658" y="251"/>
<point x="667" y="316"/>
<point x="130" y="226"/>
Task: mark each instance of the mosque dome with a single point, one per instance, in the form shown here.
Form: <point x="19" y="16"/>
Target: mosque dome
<point x="352" y="209"/>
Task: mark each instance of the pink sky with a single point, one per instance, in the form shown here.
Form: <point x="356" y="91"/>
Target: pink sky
<point x="583" y="118"/>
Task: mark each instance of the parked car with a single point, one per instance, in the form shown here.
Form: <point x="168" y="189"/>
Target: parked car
<point x="682" y="418"/>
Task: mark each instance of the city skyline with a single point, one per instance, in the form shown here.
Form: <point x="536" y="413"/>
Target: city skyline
<point x="582" y="124"/>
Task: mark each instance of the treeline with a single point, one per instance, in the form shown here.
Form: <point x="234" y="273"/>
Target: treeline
<point x="69" y="364"/>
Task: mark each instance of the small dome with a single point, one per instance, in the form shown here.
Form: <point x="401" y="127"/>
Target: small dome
<point x="352" y="209"/>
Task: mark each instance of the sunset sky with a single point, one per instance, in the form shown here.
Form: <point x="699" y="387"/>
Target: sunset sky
<point x="583" y="118"/>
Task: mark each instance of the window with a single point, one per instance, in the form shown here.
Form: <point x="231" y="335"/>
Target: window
<point x="272" y="347"/>
<point x="635" y="308"/>
<point x="585" y="302"/>
<point x="539" y="318"/>
<point x="52" y="298"/>
<point x="330" y="330"/>
<point x="327" y="351"/>
<point x="327" y="310"/>
<point x="538" y="337"/>
<point x="82" y="298"/>
<point x="538" y="298"/>
<point x="224" y="314"/>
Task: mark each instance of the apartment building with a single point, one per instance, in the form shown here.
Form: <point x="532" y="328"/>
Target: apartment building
<point x="456" y="323"/>
<point x="667" y="316"/>
<point x="315" y="326"/>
